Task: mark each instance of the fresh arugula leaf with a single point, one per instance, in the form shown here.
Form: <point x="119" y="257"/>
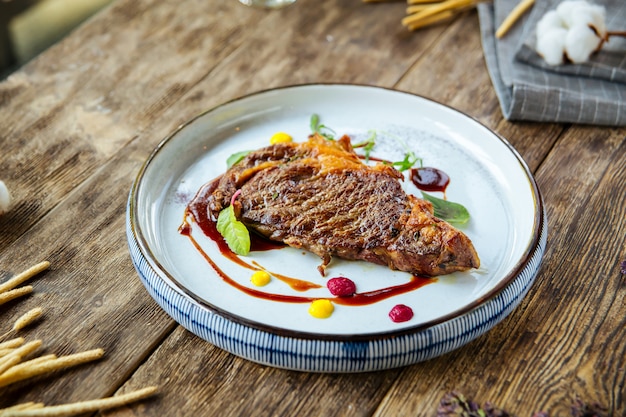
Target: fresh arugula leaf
<point x="234" y="232"/>
<point x="317" y="127"/>
<point x="236" y="157"/>
<point x="448" y="210"/>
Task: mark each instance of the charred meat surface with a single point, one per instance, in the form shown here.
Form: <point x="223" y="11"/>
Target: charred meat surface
<point x="319" y="196"/>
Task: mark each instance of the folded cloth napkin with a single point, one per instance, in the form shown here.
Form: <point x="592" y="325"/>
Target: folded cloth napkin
<point x="529" y="89"/>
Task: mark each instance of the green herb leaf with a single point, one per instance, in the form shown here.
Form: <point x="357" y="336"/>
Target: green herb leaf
<point x="236" y="157"/>
<point x="409" y="160"/>
<point x="325" y="131"/>
<point x="447" y="210"/>
<point x="234" y="232"/>
<point x="367" y="145"/>
<point x="315" y="122"/>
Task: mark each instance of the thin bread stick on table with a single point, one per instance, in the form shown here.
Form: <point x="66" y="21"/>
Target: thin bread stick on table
<point x="513" y="17"/>
<point x="24" y="276"/>
<point x="83" y="406"/>
<point x="20" y="373"/>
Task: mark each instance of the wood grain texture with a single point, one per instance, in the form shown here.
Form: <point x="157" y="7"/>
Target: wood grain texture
<point x="555" y="346"/>
<point x="65" y="117"/>
<point x="79" y="121"/>
<point x="222" y="384"/>
<point x="91" y="296"/>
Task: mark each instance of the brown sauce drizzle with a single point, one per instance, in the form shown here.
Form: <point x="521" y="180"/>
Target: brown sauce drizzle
<point x="294" y="283"/>
<point x="424" y="178"/>
<point x="429" y="179"/>
<point x="197" y="210"/>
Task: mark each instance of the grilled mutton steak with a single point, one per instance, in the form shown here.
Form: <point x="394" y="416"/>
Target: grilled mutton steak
<point x="319" y="196"/>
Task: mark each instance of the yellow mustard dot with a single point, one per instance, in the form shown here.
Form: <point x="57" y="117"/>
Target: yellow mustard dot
<point x="260" y="278"/>
<point x="280" y="137"/>
<point x="321" y="309"/>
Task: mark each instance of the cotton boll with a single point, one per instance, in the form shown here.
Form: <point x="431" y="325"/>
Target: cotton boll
<point x="550" y="20"/>
<point x="592" y="15"/>
<point x="551" y="45"/>
<point x="585" y="31"/>
<point x="580" y="42"/>
<point x="567" y="9"/>
<point x="5" y="198"/>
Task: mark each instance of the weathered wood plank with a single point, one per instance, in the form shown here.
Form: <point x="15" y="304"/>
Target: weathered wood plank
<point x="553" y="346"/>
<point x="91" y="296"/>
<point x="71" y="109"/>
<point x="210" y="382"/>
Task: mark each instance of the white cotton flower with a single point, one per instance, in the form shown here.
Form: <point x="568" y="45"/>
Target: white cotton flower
<point x="567" y="8"/>
<point x="551" y="46"/>
<point x="580" y="42"/>
<point x="589" y="15"/>
<point x="550" y="20"/>
<point x="5" y="198"/>
<point x="575" y="30"/>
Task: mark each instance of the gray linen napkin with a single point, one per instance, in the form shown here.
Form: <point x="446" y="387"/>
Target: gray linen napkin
<point x="529" y="89"/>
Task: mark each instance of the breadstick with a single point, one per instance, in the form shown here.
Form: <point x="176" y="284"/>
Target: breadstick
<point x="435" y="9"/>
<point x="515" y="14"/>
<point x="27" y="318"/>
<point x="5" y="352"/>
<point x="24" y="406"/>
<point x="18" y="354"/>
<point x="23" y="321"/>
<point x="13" y="343"/>
<point x="13" y="362"/>
<point x="24" y="276"/>
<point x="83" y="406"/>
<point x="8" y="363"/>
<point x="422" y="1"/>
<point x="34" y="361"/>
<point x="7" y="296"/>
<point x="429" y="20"/>
<point x="26" y="349"/>
<point x="20" y="373"/>
<point x="417" y="8"/>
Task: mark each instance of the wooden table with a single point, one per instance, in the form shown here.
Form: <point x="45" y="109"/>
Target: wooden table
<point x="77" y="123"/>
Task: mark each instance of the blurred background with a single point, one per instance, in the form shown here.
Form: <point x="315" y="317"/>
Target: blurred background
<point x="28" y="27"/>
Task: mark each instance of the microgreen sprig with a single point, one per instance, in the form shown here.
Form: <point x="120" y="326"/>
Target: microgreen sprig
<point x="410" y="159"/>
<point x="317" y="127"/>
<point x="367" y="145"/>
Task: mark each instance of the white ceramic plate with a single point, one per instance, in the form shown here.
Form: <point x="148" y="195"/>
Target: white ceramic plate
<point x="488" y="177"/>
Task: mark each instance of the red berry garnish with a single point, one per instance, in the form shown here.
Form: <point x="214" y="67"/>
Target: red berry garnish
<point x="341" y="287"/>
<point x="401" y="313"/>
